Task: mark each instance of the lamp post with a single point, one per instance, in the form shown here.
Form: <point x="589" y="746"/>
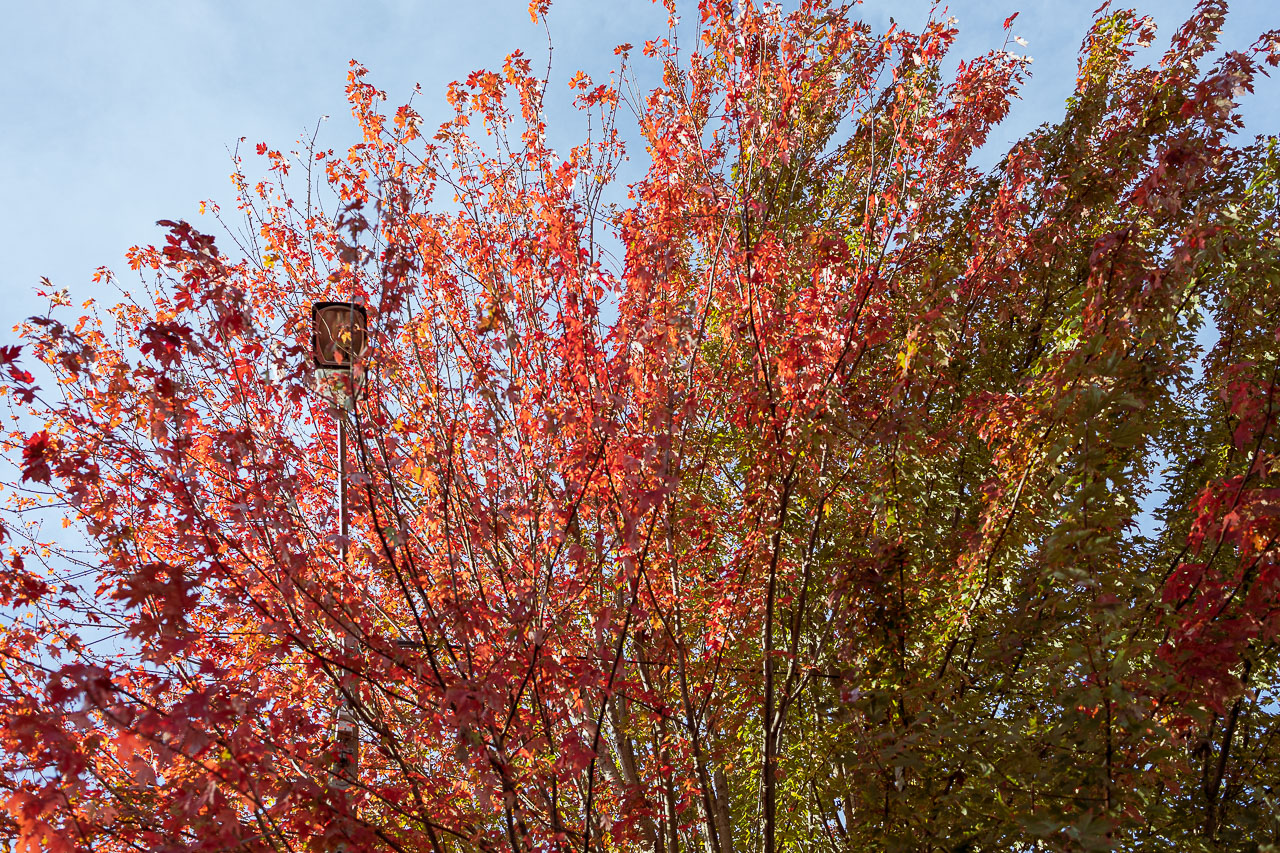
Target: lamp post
<point x="339" y="334"/>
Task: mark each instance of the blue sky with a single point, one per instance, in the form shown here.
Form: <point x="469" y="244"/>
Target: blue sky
<point x="119" y="114"/>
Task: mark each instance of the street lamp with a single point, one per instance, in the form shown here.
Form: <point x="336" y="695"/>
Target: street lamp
<point x="339" y="336"/>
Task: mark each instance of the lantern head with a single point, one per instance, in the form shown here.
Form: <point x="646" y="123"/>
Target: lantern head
<point x="339" y="334"/>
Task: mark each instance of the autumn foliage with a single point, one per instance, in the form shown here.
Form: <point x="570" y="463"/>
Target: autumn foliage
<point x="817" y="491"/>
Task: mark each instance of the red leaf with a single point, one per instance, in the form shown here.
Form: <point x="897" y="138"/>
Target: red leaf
<point x="165" y="341"/>
<point x="35" y="458"/>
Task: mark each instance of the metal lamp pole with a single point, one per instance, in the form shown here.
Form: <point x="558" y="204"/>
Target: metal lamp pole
<point x="347" y="736"/>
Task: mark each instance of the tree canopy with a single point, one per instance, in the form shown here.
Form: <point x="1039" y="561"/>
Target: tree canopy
<point x="820" y="491"/>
